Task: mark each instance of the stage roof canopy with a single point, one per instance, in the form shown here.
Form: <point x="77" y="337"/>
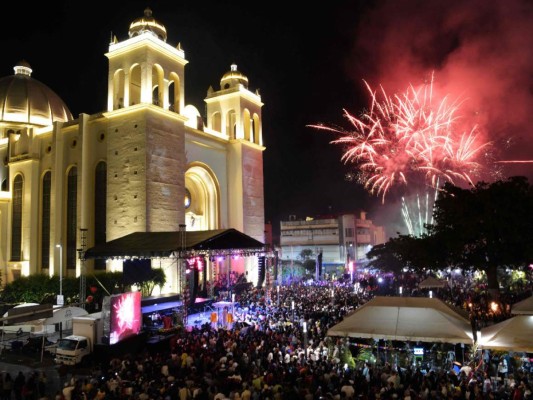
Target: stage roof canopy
<point x="166" y="244"/>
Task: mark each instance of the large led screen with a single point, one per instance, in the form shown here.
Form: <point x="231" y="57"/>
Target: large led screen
<point x="126" y="316"/>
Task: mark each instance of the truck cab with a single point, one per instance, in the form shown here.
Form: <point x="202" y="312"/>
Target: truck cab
<point x="73" y="349"/>
<point x="78" y="347"/>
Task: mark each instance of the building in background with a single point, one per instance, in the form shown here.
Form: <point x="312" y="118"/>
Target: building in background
<point x="147" y="163"/>
<point x="338" y="243"/>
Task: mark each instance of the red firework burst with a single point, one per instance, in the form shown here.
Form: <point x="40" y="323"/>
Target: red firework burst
<point x="407" y="135"/>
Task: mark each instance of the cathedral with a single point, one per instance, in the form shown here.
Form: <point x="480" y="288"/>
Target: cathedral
<point x="148" y="163"/>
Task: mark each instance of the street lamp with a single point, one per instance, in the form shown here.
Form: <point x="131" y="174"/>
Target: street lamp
<point x="277" y="290"/>
<point x="60" y="297"/>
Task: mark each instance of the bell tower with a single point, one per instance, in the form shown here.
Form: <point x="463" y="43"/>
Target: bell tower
<point x="145" y="132"/>
<point x="144" y="69"/>
<point x="235" y="112"/>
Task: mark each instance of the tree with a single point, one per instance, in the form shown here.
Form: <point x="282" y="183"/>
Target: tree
<point x="483" y="228"/>
<point x="486" y="227"/>
<point x="407" y="251"/>
<point x="305" y="254"/>
<point x="308" y="259"/>
<point x="291" y="270"/>
<point x="37" y="288"/>
<point x="43" y="289"/>
<point x="391" y="255"/>
<point x="157" y="278"/>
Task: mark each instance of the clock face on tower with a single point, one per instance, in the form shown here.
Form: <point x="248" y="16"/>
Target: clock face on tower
<point x="187" y="198"/>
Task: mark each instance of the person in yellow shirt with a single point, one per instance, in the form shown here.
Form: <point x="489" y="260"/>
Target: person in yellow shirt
<point x="184" y="356"/>
<point x="246" y="394"/>
<point x="87" y="386"/>
<point x="101" y="394"/>
<point x="257" y="382"/>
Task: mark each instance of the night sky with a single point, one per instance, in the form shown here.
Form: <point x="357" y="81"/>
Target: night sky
<point x="309" y="65"/>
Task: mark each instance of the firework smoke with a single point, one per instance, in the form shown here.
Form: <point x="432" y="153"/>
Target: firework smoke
<point x="478" y="49"/>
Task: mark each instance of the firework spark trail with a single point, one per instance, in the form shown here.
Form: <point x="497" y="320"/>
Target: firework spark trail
<point x="515" y="162"/>
<point x="408" y="134"/>
<point x="416" y="216"/>
<point x="421" y="210"/>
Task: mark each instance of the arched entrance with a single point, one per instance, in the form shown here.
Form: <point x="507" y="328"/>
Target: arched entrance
<point x="202" y="199"/>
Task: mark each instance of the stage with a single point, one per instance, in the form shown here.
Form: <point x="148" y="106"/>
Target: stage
<point x="171" y="304"/>
<point x="165" y="311"/>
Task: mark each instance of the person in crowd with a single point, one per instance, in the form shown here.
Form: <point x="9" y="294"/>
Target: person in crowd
<point x="266" y="357"/>
<point x="18" y="385"/>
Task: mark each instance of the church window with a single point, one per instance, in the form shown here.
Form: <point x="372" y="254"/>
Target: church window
<point x="72" y="216"/>
<point x="100" y="207"/>
<point x="45" y="221"/>
<point x="16" y="224"/>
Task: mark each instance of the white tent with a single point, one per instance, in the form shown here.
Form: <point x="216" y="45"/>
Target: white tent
<point x="523" y="307"/>
<point x="514" y="334"/>
<point x="64" y="315"/>
<point x="46" y="325"/>
<point x="408" y="319"/>
<point x="431" y="282"/>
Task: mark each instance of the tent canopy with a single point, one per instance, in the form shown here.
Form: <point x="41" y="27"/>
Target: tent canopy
<point x="59" y="314"/>
<point x="407" y="319"/>
<point x="164" y="244"/>
<point x="514" y="334"/>
<point x="523" y="307"/>
<point x="39" y="325"/>
<point x="431" y="282"/>
<point x="64" y="314"/>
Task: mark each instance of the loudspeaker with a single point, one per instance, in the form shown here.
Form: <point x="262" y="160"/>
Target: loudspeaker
<point x="136" y="271"/>
<point x="261" y="270"/>
<point x="192" y="283"/>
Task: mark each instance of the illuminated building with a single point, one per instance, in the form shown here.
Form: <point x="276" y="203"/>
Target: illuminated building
<point x="147" y="163"/>
<point x="341" y="239"/>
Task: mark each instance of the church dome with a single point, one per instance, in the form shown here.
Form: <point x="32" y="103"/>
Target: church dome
<point x="147" y="23"/>
<point x="26" y="100"/>
<point x="233" y="78"/>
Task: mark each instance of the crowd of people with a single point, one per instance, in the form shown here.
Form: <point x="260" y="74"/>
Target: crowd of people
<point x="265" y="354"/>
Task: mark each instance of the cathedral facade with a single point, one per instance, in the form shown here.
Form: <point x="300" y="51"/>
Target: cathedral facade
<point x="147" y="163"/>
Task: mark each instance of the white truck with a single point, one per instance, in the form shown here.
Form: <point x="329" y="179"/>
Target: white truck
<point x="78" y="348"/>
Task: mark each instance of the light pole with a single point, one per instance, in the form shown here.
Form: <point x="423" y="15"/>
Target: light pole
<point x="305" y="338"/>
<point x="233" y="305"/>
<point x="277" y="290"/>
<point x="60" y="301"/>
<point x="292" y="306"/>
